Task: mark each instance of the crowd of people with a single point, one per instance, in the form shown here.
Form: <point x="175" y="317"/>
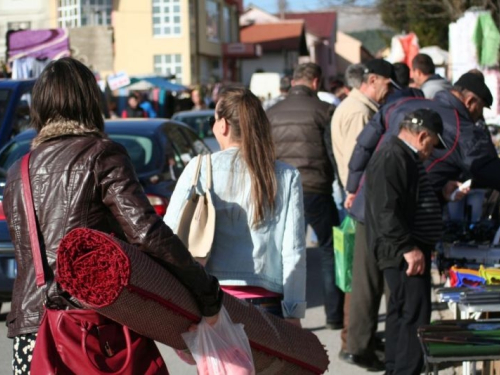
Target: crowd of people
<point x="139" y="105"/>
<point x="400" y="152"/>
<point x="387" y="154"/>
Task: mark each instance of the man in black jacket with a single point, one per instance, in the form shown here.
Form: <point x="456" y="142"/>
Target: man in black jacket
<point x="301" y="133"/>
<point x="403" y="223"/>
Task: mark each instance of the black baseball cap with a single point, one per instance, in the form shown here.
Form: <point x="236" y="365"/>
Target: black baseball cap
<point x="429" y="119"/>
<point x="382" y="68"/>
<point x="475" y="84"/>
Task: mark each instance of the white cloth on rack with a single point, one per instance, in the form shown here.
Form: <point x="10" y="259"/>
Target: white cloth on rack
<point x="21" y="68"/>
<point x="463" y="52"/>
<point x="28" y="67"/>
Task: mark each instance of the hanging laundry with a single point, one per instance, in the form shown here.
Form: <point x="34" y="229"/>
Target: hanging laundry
<point x="21" y="68"/>
<point x="410" y="47"/>
<point x="397" y="52"/>
<point x="38" y="66"/>
<point x="487" y="40"/>
<point x="463" y="53"/>
<point x="404" y="48"/>
<point x="41" y="43"/>
<point x="28" y="67"/>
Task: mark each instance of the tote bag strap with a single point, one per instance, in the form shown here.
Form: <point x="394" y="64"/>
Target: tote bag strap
<point x="196" y="175"/>
<point x="32" y="228"/>
<point x="209" y="172"/>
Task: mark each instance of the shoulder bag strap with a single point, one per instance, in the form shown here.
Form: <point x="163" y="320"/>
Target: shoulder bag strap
<point x="209" y="172"/>
<point x="32" y="228"/>
<point x="196" y="175"/>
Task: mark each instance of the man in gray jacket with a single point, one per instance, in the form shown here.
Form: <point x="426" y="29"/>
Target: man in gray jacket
<point x="425" y="77"/>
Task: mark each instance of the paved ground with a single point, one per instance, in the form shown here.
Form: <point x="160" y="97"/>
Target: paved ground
<point x="314" y="321"/>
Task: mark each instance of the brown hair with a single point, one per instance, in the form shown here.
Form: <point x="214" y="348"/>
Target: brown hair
<point x="423" y="63"/>
<point x="67" y="90"/>
<point x="307" y="72"/>
<point x="251" y="128"/>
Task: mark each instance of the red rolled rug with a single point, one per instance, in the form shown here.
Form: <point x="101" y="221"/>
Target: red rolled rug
<point x="125" y="284"/>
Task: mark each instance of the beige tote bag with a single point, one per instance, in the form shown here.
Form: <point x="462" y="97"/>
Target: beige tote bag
<point x="197" y="222"/>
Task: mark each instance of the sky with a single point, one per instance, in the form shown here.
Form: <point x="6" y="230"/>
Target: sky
<point x="293" y="5"/>
<point x="300" y="5"/>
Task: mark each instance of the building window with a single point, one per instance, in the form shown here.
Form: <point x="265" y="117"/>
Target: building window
<point x="169" y="65"/>
<point x="212" y="9"/>
<point x="166" y="18"/>
<point x="227" y="25"/>
<point x="76" y="13"/>
<point x="26" y="25"/>
<point x="68" y="13"/>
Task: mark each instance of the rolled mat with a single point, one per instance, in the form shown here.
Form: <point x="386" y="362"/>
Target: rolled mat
<point x="125" y="284"/>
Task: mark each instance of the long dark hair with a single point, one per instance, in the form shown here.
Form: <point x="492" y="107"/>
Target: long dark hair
<point x="251" y="128"/>
<point x="67" y="90"/>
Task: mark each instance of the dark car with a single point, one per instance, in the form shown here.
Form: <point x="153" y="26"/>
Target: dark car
<point x="199" y="121"/>
<point x="15" y="99"/>
<point x="159" y="150"/>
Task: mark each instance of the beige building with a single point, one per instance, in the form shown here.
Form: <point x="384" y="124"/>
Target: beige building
<point x="174" y="37"/>
<point x="349" y="51"/>
<point x="181" y="38"/>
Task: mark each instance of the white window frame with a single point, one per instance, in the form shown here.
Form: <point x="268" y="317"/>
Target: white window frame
<point x="163" y="18"/>
<point x="71" y="12"/>
<point x="169" y="64"/>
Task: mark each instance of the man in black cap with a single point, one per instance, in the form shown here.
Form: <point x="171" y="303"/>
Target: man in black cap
<point x="348" y="121"/>
<point x="403" y="223"/>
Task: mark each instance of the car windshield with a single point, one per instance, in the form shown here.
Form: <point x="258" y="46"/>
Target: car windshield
<point x="139" y="148"/>
<point x="4" y="100"/>
<point x="199" y="123"/>
<point x="13" y="152"/>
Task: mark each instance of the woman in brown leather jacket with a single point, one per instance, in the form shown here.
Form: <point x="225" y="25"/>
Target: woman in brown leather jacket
<point x="80" y="178"/>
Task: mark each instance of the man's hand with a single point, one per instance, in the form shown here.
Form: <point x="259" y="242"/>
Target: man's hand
<point x="450" y="187"/>
<point x="349" y="200"/>
<point x="209" y="319"/>
<point x="416" y="262"/>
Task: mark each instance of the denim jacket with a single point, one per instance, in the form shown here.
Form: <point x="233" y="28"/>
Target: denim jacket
<point x="271" y="255"/>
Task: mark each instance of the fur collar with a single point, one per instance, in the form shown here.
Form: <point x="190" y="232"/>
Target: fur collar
<point x="60" y="128"/>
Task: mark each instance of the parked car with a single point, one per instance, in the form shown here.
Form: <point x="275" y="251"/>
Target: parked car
<point x="15" y="100"/>
<point x="199" y="121"/>
<point x="159" y="150"/>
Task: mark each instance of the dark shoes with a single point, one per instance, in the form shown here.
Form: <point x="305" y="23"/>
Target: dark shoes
<point x="371" y="363"/>
<point x="334" y="325"/>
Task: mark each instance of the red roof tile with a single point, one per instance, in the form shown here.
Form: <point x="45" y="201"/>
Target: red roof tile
<point x="318" y="23"/>
<point x="259" y="33"/>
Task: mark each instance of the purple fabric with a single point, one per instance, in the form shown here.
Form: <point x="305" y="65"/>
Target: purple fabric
<point x="48" y="43"/>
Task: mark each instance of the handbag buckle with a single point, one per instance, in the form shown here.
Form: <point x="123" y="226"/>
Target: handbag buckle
<point x="109" y="351"/>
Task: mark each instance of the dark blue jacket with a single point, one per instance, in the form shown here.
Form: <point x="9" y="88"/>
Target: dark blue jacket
<point x="471" y="152"/>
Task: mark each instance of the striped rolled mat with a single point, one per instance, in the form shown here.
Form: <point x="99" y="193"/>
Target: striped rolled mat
<point x="125" y="284"/>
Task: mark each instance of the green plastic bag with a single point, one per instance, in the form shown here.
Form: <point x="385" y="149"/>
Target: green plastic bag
<point x="343" y="244"/>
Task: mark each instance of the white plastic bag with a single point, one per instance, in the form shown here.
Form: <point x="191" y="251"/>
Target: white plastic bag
<point x="221" y="349"/>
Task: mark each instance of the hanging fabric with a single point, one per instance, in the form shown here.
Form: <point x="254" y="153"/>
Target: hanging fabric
<point x="487" y="40"/>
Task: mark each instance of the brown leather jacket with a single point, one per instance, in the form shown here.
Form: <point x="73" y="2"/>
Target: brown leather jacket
<point x="88" y="181"/>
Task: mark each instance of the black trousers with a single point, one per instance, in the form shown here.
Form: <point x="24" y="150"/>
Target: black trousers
<point x="363" y="307"/>
<point x="321" y="214"/>
<point x="409" y="307"/>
